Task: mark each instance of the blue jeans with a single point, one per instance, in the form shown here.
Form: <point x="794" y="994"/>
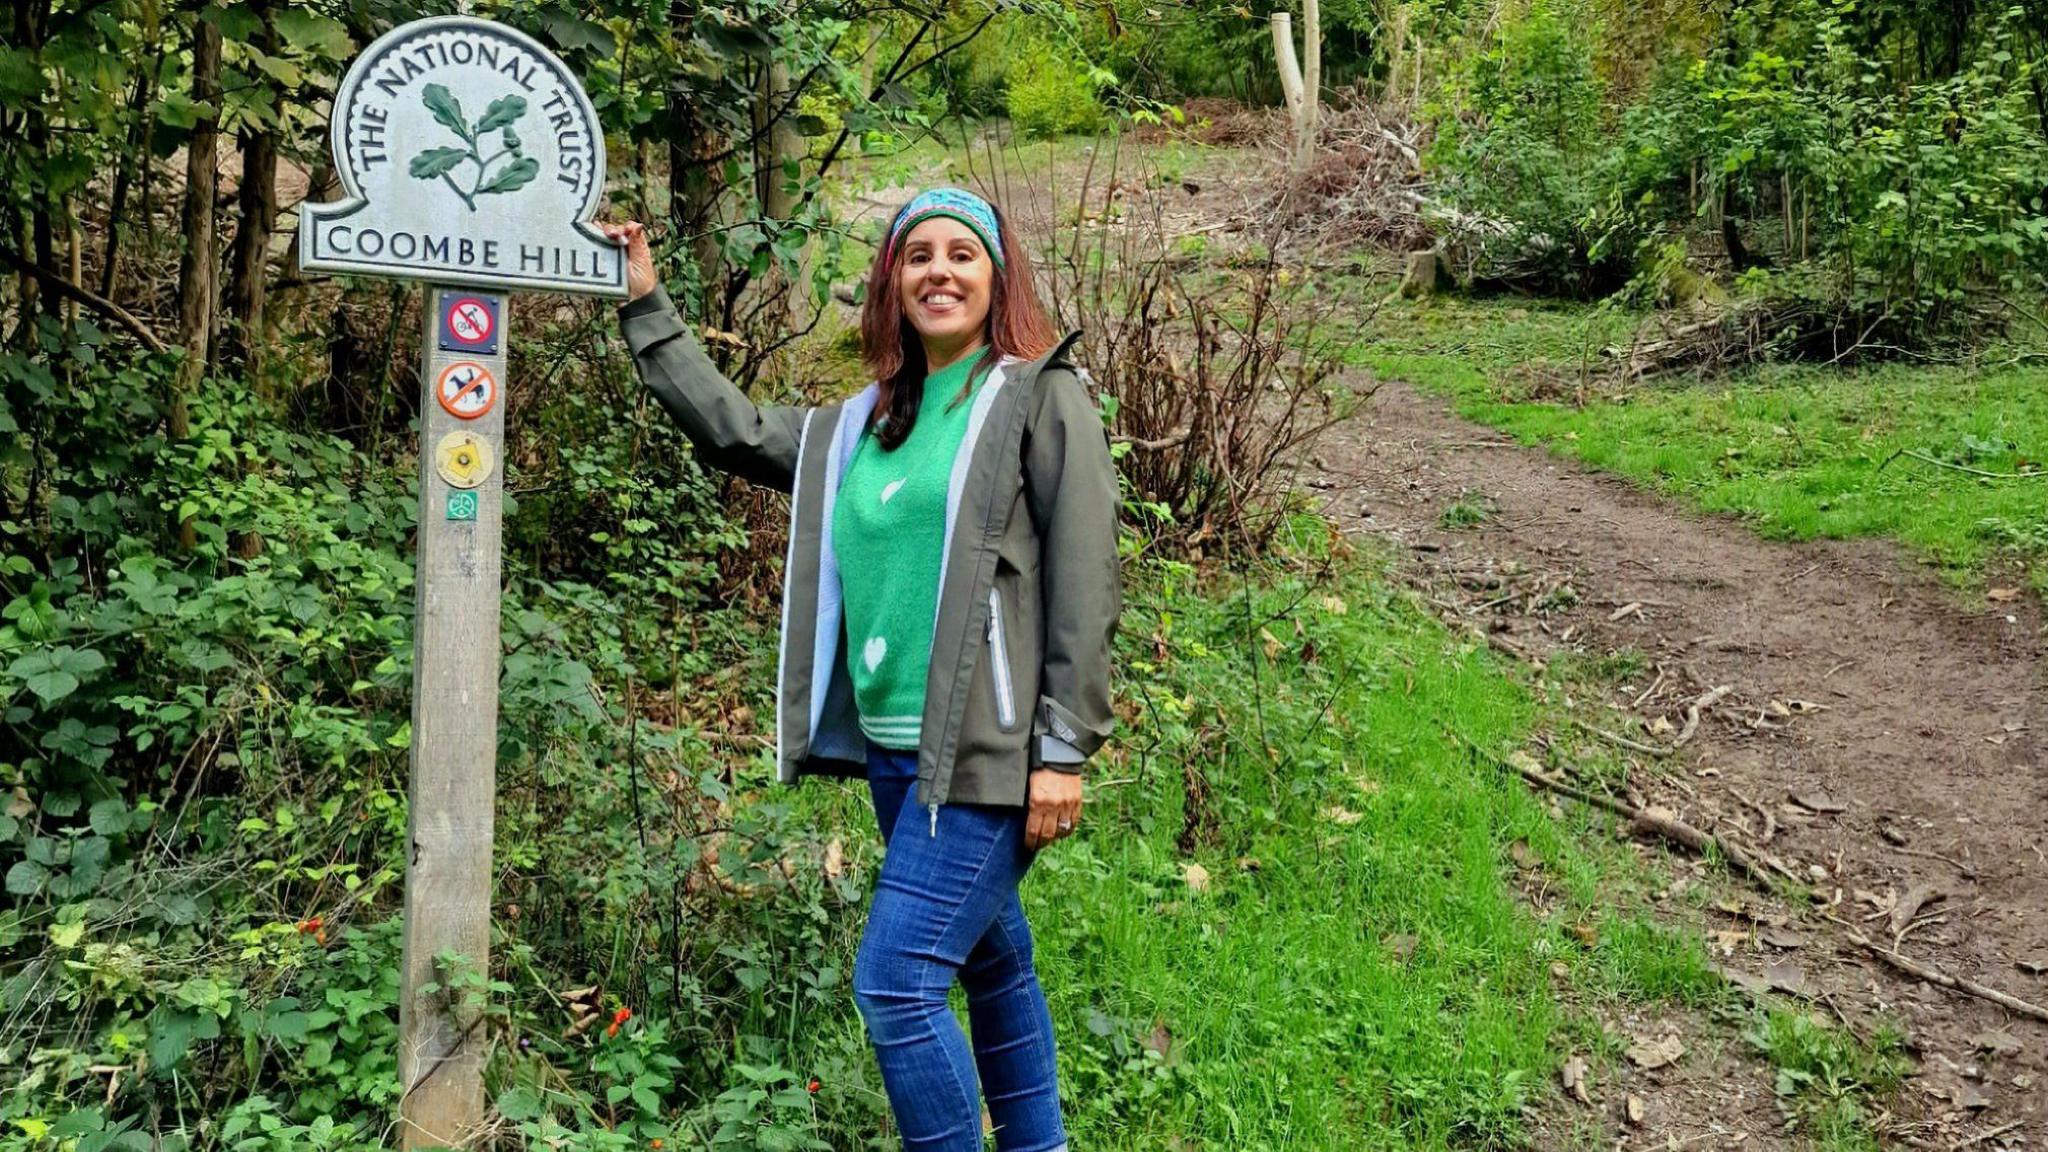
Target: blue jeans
<point x="946" y="908"/>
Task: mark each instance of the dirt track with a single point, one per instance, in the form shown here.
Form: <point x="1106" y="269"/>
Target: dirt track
<point x="1915" y="708"/>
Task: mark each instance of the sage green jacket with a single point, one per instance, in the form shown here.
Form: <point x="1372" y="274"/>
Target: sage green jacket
<point x="1028" y="584"/>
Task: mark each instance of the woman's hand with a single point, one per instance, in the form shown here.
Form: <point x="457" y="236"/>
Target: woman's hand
<point x="640" y="278"/>
<point x="1055" y="807"/>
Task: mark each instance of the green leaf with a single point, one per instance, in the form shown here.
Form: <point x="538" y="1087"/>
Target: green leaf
<point x="735" y="40"/>
<point x="20" y="80"/>
<point x="311" y="32"/>
<point x="576" y="34"/>
<point x="283" y="71"/>
<point x="502" y="112"/>
<point x="55" y="674"/>
<point x="446" y="109"/>
<point x="519" y="1104"/>
<point x="515" y="176"/>
<point x="177" y="910"/>
<point x="108" y="817"/>
<point x="436" y="162"/>
<point x="52" y="684"/>
<point x="178" y="110"/>
<point x="27" y="878"/>
<point x="83" y="1122"/>
<point x="512" y="141"/>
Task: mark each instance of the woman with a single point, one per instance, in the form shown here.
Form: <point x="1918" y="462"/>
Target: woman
<point x="948" y="602"/>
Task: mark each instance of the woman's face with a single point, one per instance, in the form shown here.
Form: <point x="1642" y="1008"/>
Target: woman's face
<point x="944" y="280"/>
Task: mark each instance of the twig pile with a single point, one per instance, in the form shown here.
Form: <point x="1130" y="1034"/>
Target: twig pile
<point x="1364" y="186"/>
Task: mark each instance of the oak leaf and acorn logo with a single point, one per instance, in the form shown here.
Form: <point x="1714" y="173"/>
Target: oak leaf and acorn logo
<point x="494" y="129"/>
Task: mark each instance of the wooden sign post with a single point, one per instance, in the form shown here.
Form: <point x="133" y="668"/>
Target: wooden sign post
<point x="469" y="158"/>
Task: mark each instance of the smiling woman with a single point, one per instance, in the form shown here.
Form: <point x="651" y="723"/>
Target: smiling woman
<point x="948" y="604"/>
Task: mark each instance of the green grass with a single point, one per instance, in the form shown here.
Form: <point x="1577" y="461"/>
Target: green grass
<point x="1374" y="980"/>
<point x="1367" y="966"/>
<point x="1827" y="1075"/>
<point x="1798" y="451"/>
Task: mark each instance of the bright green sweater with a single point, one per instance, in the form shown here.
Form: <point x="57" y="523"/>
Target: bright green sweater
<point x="888" y="536"/>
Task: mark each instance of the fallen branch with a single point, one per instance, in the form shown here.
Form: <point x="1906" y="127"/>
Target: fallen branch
<point x="1967" y="871"/>
<point x="87" y="297"/>
<point x="1623" y="741"/>
<point x="1924" y="458"/>
<point x="1640" y="821"/>
<point x="1770" y="831"/>
<point x="1988" y="1134"/>
<point x="1692" y="714"/>
<point x="1936" y="976"/>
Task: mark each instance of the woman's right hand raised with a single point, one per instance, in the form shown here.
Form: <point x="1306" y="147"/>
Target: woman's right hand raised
<point x="640" y="278"/>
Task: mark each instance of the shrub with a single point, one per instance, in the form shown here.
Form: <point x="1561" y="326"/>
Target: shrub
<point x="1050" y="95"/>
<point x="1518" y="153"/>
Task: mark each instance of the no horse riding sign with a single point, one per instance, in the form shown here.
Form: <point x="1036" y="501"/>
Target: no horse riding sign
<point x="468" y="155"/>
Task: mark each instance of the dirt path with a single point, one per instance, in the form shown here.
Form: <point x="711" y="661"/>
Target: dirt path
<point x="1917" y="714"/>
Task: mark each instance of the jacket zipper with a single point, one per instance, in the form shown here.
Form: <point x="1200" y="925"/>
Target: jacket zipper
<point x="999" y="656"/>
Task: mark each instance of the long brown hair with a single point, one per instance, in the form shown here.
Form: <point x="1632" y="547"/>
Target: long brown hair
<point x="894" y="353"/>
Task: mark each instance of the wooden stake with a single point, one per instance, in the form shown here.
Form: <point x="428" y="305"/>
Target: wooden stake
<point x="454" y="755"/>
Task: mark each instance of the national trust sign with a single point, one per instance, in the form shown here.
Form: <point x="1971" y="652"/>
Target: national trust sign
<point x="468" y="155"/>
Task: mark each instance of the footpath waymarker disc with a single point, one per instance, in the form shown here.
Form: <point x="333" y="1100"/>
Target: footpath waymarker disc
<point x="466" y="389"/>
<point x="470" y="324"/>
<point x="463" y="459"/>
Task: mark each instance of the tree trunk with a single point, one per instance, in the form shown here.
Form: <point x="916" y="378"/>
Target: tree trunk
<point x="142" y="125"/>
<point x="248" y="263"/>
<point x="30" y="17"/>
<point x="1301" y="79"/>
<point x="779" y="146"/>
<point x="1290" y="68"/>
<point x="693" y="195"/>
<point x="1311" y="74"/>
<point x="256" y="199"/>
<point x="197" y="271"/>
<point x="1731" y="230"/>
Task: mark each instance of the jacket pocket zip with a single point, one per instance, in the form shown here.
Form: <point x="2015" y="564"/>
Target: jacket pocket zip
<point x="999" y="661"/>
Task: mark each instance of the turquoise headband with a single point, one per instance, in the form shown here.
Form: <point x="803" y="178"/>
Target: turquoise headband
<point x="958" y="204"/>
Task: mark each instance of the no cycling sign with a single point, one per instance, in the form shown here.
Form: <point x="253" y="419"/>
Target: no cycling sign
<point x="469" y="324"/>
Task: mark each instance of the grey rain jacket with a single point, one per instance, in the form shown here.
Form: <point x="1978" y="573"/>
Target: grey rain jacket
<point x="1028" y="588"/>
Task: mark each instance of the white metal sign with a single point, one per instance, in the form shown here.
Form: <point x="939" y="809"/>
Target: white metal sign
<point x="468" y="154"/>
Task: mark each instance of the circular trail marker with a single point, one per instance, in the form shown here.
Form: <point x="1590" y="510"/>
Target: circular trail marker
<point x="466" y="389"/>
<point x="469" y="321"/>
<point x="463" y="459"/>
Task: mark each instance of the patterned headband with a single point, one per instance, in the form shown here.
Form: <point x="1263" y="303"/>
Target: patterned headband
<point x="961" y="205"/>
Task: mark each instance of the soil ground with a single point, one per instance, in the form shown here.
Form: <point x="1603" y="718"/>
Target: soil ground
<point x="1888" y="726"/>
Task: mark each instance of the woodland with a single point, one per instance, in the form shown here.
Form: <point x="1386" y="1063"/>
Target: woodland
<point x="1585" y="515"/>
